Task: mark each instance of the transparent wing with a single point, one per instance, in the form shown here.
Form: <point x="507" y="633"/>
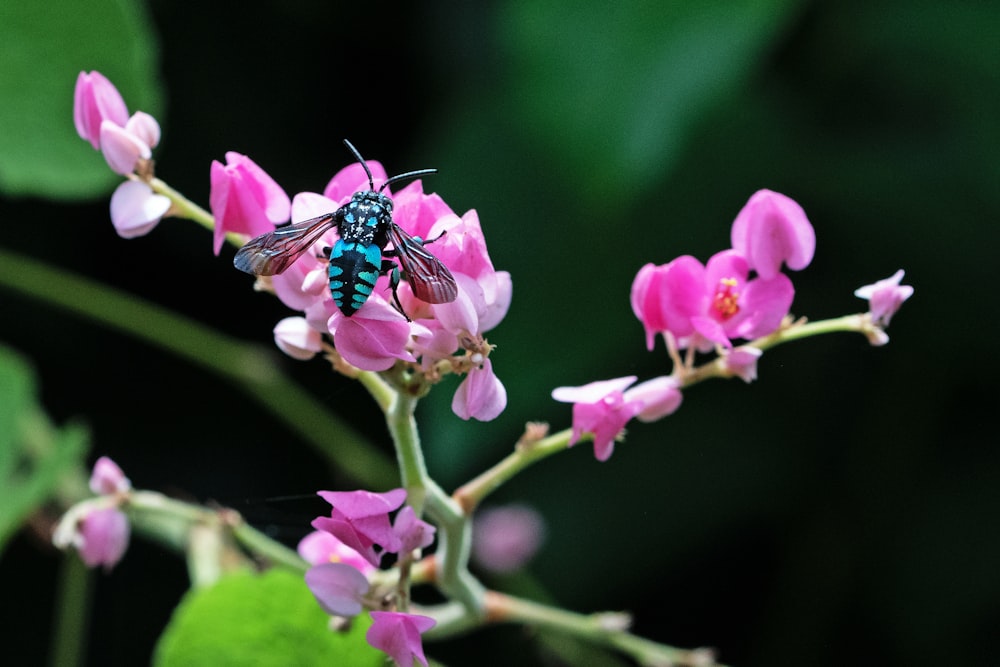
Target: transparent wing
<point x="430" y="279"/>
<point x="270" y="254"/>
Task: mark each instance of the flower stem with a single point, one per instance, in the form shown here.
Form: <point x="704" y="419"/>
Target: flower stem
<point x="422" y="492"/>
<point x="182" y="207"/>
<point x="472" y="493"/>
<point x="608" y="629"/>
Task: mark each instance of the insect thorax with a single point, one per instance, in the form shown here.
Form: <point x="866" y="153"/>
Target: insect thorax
<point x="366" y="219"/>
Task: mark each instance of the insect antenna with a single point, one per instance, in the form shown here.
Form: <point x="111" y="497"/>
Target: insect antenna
<point x="398" y="177"/>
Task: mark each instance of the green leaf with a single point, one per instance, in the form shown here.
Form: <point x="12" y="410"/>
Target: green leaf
<point x="35" y="457"/>
<point x="614" y="88"/>
<point x="259" y="620"/>
<point x="43" y="47"/>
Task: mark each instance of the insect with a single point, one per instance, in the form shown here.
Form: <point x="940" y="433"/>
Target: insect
<point x="360" y="255"/>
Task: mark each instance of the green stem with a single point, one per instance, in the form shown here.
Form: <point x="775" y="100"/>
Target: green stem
<point x="524" y="455"/>
<point x="72" y="612"/>
<point x="454" y="527"/>
<point x="182" y="207"/>
<point x="248" y="366"/>
<point x="608" y="629"/>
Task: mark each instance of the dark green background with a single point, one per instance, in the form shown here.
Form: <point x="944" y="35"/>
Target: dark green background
<point x="841" y="510"/>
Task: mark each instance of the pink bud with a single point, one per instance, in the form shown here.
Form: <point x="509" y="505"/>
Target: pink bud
<point x="145" y="127"/>
<point x="773" y="229"/>
<point x="297" y="339"/>
<point x="95" y="100"/>
<point x="107" y="478"/>
<point x="104" y="537"/>
<point x="136" y="209"/>
<point x="122" y="150"/>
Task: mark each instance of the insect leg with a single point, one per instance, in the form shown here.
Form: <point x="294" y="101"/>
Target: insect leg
<point x="389" y="268"/>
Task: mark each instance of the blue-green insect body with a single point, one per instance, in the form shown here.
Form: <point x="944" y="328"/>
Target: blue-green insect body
<point x="365" y="228"/>
<point x="356" y="258"/>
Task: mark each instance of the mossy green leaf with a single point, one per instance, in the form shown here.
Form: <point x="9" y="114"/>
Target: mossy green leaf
<point x="260" y="620"/>
<point x="43" y="47"/>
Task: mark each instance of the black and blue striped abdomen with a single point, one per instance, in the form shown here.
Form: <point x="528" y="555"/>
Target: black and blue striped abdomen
<point x="354" y="268"/>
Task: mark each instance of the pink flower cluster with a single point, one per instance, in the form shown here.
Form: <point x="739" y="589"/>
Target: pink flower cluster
<point x="702" y="305"/>
<point x="379" y="335"/>
<point x="342" y="553"/>
<point x="127" y="143"/>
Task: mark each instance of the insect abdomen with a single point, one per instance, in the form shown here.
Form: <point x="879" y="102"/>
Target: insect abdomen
<point x="354" y="268"/>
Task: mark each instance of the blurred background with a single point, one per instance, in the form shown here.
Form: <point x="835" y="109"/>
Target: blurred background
<point x="840" y="510"/>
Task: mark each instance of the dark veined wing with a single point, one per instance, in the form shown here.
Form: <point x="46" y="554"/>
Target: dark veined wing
<point x="430" y="279"/>
<point x="270" y="254"/>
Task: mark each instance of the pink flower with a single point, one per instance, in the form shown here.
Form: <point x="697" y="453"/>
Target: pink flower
<point x="319" y="547"/>
<point x="773" y="229"/>
<point x="125" y="147"/>
<point x="136" y="209"/>
<point x="338" y="588"/>
<point x="95" y="100"/>
<point x="360" y="519"/>
<point x="107" y="478"/>
<point x="504" y="539"/>
<point x="480" y="395"/>
<point x="398" y="635"/>
<point x="742" y="362"/>
<point x="604" y="407"/>
<point x="713" y="302"/>
<point x="659" y="397"/>
<point x="103" y="537"/>
<point x="244" y="199"/>
<point x="885" y="297"/>
<point x="413" y="533"/>
<point x="296" y="338"/>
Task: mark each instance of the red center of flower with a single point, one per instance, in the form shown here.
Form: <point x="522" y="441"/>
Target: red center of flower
<point x="726" y="300"/>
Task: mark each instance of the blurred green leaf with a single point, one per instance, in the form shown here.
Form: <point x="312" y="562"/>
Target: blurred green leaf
<point x="43" y="47"/>
<point x="260" y="620"/>
<point x="615" y="87"/>
<point x="34" y="455"/>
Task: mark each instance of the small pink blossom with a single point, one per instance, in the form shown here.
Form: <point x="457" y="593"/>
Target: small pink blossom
<point x="107" y="478"/>
<point x="338" y="588"/>
<point x="296" y="338"/>
<point x="599" y="408"/>
<point x="885" y="297"/>
<point x="742" y="362"/>
<point x="374" y="339"/>
<point x="398" y="635"/>
<point x="413" y="533"/>
<point x="136" y="209"/>
<point x="103" y="537"/>
<point x="319" y="547"/>
<point x="772" y="229"/>
<point x="121" y="149"/>
<point x="604" y="407"/>
<point x="480" y="395"/>
<point x="713" y="302"/>
<point x="360" y="519"/>
<point x="95" y="100"/>
<point x="244" y="199"/>
<point x="659" y="397"/>
<point x="505" y="538"/>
